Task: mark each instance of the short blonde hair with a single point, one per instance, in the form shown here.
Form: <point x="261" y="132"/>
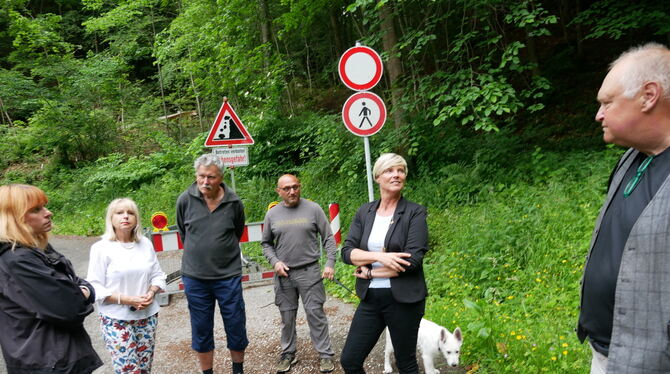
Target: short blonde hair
<point x="15" y="201"/>
<point x="122" y="203"/>
<point x="388" y="160"/>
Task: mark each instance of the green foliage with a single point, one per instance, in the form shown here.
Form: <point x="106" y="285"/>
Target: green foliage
<point x="116" y="173"/>
<point x="18" y="93"/>
<point x="70" y="134"/>
<point x="529" y="15"/>
<point x="471" y="100"/>
<point x="80" y="197"/>
<point x="615" y="19"/>
<point x="129" y="27"/>
<point x="507" y="269"/>
<point x="12" y="136"/>
<point x="301" y="13"/>
<point x="215" y="45"/>
<point x="485" y="83"/>
<point x="110" y="68"/>
<point x="35" y="39"/>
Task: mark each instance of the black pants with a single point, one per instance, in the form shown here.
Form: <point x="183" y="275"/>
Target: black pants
<point x="377" y="311"/>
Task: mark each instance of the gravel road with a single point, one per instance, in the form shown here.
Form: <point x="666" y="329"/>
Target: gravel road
<point x="173" y="351"/>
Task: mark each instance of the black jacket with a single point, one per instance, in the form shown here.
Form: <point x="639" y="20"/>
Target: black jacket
<point x="42" y="313"/>
<point x="408" y="233"/>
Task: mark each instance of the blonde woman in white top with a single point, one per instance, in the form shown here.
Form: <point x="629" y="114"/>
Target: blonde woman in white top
<point x="126" y="275"/>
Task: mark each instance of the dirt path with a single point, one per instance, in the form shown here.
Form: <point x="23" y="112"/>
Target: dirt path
<point x="173" y="351"/>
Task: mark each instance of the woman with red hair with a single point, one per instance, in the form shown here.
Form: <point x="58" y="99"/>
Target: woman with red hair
<point x="42" y="301"/>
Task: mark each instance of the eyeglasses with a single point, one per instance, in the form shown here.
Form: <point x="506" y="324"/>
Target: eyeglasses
<point x="638" y="176"/>
<point x="289" y="188"/>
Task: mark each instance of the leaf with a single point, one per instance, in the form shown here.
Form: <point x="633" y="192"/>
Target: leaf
<point x="472" y="305"/>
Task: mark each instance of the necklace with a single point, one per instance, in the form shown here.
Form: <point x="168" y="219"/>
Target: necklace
<point x="638" y="176"/>
<point x="130" y="245"/>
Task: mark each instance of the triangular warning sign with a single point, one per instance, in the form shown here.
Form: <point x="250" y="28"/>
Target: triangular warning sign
<point x="227" y="129"/>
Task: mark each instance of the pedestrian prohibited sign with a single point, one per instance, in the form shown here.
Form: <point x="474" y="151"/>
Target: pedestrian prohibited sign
<point x="360" y="68"/>
<point x="364" y="113"/>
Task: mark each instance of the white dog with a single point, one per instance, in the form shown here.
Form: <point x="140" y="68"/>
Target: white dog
<point x="432" y="340"/>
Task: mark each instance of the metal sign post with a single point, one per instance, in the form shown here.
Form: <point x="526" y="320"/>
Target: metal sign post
<point x="368" y="167"/>
<point x="232" y="179"/>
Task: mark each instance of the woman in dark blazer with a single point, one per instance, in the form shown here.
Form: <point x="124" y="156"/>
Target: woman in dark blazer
<point x="387" y="241"/>
<point x="42" y="301"/>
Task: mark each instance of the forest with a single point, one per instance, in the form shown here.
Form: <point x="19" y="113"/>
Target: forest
<point x="492" y="102"/>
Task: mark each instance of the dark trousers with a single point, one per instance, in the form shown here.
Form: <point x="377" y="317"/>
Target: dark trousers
<point x="373" y="314"/>
<point x="201" y="296"/>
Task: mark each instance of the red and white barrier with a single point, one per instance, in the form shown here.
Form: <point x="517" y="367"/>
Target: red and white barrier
<point x="334" y="211"/>
<point x="171" y="241"/>
<point x="167" y="241"/>
<point x="253" y="232"/>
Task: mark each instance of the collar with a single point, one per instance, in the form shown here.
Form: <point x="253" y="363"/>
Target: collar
<point x="399" y="209"/>
<point x="228" y="194"/>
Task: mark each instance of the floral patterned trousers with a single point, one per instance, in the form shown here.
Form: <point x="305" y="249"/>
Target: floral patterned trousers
<point x="131" y="343"/>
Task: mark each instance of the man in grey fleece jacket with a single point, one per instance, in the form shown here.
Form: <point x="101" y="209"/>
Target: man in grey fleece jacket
<point x="291" y="246"/>
<point x="210" y="218"/>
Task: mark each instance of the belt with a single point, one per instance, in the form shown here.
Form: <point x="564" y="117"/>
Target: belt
<point x="302" y="266"/>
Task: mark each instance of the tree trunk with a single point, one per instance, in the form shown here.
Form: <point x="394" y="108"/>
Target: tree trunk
<point x="5" y="114"/>
<point x="197" y="101"/>
<point x="564" y="10"/>
<point x="307" y="63"/>
<point x="290" y="82"/>
<point x="266" y="32"/>
<point x="122" y="104"/>
<point x="532" y="52"/>
<point x="339" y="49"/>
<point x="393" y="65"/>
<point x="160" y="73"/>
<point x="579" y="34"/>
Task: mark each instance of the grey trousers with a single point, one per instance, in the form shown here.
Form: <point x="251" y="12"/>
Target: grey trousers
<point x="306" y="284"/>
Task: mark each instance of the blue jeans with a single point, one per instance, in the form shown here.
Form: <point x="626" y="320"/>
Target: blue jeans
<point x="201" y="296"/>
<point x="373" y="314"/>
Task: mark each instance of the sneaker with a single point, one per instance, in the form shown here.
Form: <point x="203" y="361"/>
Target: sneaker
<point x="285" y="362"/>
<point x="326" y="365"/>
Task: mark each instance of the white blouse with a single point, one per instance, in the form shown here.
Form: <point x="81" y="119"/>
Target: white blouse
<point x="129" y="271"/>
<point x="376" y="244"/>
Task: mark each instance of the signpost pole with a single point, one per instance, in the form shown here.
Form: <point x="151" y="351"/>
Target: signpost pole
<point x="232" y="179"/>
<point x="368" y="167"/>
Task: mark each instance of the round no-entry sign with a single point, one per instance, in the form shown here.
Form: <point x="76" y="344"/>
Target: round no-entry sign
<point x="364" y="113"/>
<point x="360" y="68"/>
